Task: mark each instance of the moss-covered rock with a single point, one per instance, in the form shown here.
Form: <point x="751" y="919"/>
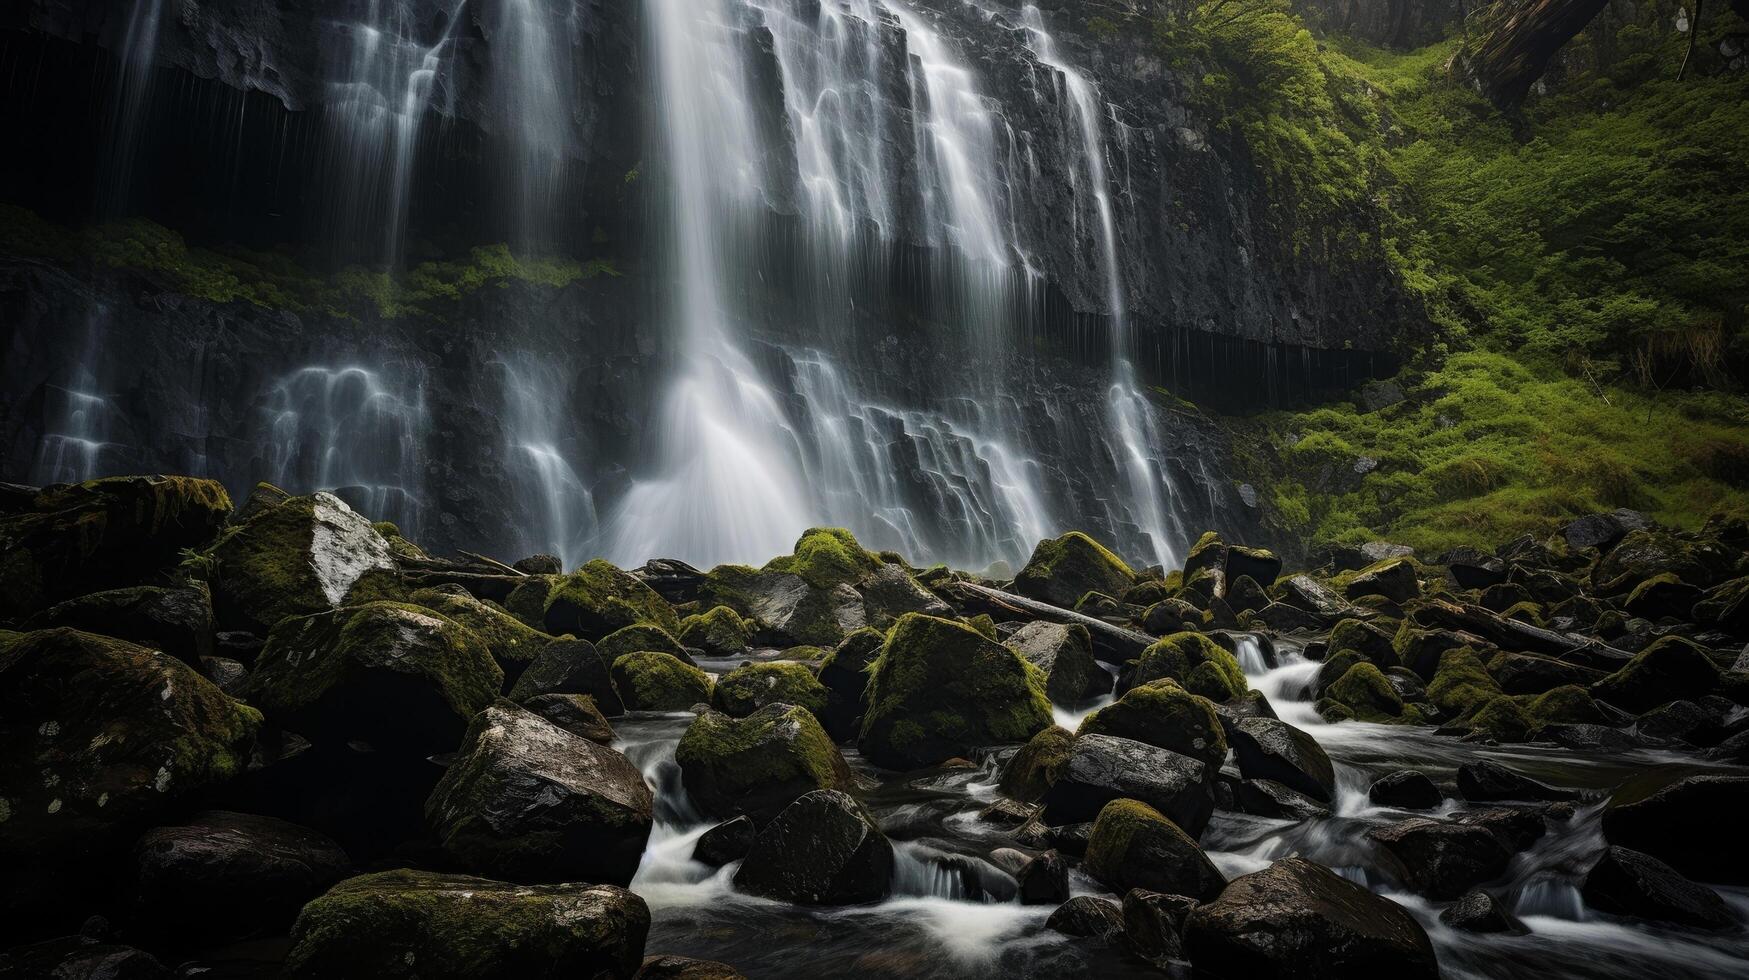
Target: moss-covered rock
<point x="1648" y="552"/>
<point x="1208" y="554"/>
<point x="1671" y="668"/>
<point x="1065" y="654"/>
<point x="757" y="765"/>
<point x="1662" y="596"/>
<point x="1034" y="767"/>
<point x="649" y="681"/>
<point x="569" y="666"/>
<point x="1164" y="714"/>
<point x="98" y="735"/>
<point x="1368" y="695"/>
<point x="1726" y="606"/>
<point x="512" y="643"/>
<point x="825" y="557"/>
<point x="1462" y="684"/>
<point x="528" y="801"/>
<point x="1501" y="719"/>
<point x="786" y="608"/>
<point x="418" y="924"/>
<point x="102" y="534"/>
<point x="394" y="676"/>
<point x="1374" y="644"/>
<point x="1133" y="845"/>
<point x="178" y="621"/>
<point x="527" y="601"/>
<point x="599" y="598"/>
<point x="1569" y="704"/>
<point x="1063" y="569"/>
<point x="1397" y="579"/>
<point x="1198" y="663"/>
<point x="750" y="687"/>
<point x="638" y="638"/>
<point x="940" y="689"/>
<point x="296" y="558"/>
<point x="1260" y="565"/>
<point x="844" y="675"/>
<point x="719" y="632"/>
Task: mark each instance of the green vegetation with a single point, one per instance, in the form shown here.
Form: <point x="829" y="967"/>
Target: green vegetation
<point x="1588" y="259"/>
<point x="277" y="281"/>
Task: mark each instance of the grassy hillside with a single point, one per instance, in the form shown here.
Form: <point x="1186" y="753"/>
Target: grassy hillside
<point x="1586" y="262"/>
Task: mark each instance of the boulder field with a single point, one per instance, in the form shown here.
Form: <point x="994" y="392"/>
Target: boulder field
<point x="284" y="722"/>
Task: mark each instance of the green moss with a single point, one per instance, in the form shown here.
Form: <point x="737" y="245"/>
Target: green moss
<point x="1164" y="714"/>
<point x="1367" y="695"/>
<point x="759" y="764"/>
<point x="511" y="643"/>
<point x="1195" y="661"/>
<point x="599" y="598"/>
<point x="636" y="638"/>
<point x="1366" y="641"/>
<point x="1133" y="845"/>
<point x="1462" y="684"/>
<point x="719" y="631"/>
<point x="1036" y="765"/>
<point x="1671" y="668"/>
<point x="1500" y="718"/>
<point x="940" y="689"/>
<point x="985" y="625"/>
<point x="825" y="557"/>
<point x="1063" y="569"/>
<point x="649" y="681"/>
<point x="750" y="687"/>
<point x="263" y="568"/>
<point x="1569" y="704"/>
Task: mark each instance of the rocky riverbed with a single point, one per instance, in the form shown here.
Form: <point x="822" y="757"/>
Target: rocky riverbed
<point x="278" y="739"/>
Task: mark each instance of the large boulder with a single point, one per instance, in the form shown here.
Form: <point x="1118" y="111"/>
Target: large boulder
<point x="569" y="666"/>
<point x="1487" y="782"/>
<point x="1260" y="565"/>
<point x="98" y="738"/>
<point x="641" y="637"/>
<point x="224" y="876"/>
<point x="1309" y="595"/>
<point x="175" y="620"/>
<point x="844" y="675"/>
<point x="1441" y="860"/>
<point x="1407" y="789"/>
<point x="1296" y="919"/>
<point x="102" y="534"/>
<point x="823" y="849"/>
<point x="294" y="558"/>
<point x="528" y="801"/>
<point x="599" y="598"/>
<point x="750" y="687"/>
<point x="759" y="764"/>
<point x="686" y="968"/>
<point x="1063" y="569"/>
<point x="1626" y="882"/>
<point x="418" y="925"/>
<point x="1133" y="845"/>
<point x="1065" y="654"/>
<point x="1163" y="714"/>
<point x="575" y="713"/>
<point x="394" y="676"/>
<point x="659" y="682"/>
<point x="718" y="631"/>
<point x="1195" y="661"/>
<point x="512" y="644"/>
<point x="1102" y="768"/>
<point x="1647" y="552"/>
<point x="940" y="689"/>
<point x="1683" y="824"/>
<point x="1270" y="749"/>
<point x="80" y="958"/>
<point x="1395" y="579"/>
<point x="1035" y="766"/>
<point x="1672" y="668"/>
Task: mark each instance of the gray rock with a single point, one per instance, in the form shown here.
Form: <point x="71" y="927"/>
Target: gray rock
<point x="1630" y="883"/>
<point x="821" y="850"/>
<point x="570" y="666"/>
<point x="1065" y="654"/>
<point x="1441" y="860"/>
<point x="1102" y="768"/>
<point x="1478" y="911"/>
<point x="1267" y="748"/>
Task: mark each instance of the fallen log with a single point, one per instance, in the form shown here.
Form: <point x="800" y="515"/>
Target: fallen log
<point x="1112" y="644"/>
<point x="1510" y="634"/>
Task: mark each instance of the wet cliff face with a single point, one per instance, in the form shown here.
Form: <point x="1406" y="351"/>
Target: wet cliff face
<point x="522" y="416"/>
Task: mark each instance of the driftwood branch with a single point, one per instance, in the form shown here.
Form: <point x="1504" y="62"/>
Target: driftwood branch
<point x="1111" y="644"/>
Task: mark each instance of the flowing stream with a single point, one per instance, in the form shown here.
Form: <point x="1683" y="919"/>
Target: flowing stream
<point x="947" y="917"/>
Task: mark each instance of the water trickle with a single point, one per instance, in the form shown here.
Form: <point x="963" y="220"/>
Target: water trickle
<point x="350" y="430"/>
<point x="559" y="503"/>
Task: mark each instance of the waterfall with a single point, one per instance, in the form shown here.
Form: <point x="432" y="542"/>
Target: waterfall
<point x="347" y="430"/>
<point x="1149" y="488"/>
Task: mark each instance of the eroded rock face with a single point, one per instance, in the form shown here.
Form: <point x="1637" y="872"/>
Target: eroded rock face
<point x="294" y="558"/>
<point x="528" y="801"/>
<point x="417" y="924"/>
<point x="224" y="876"/>
<point x="1298" y="919"/>
<point x="177" y="621"/>
<point x="821" y="850"/>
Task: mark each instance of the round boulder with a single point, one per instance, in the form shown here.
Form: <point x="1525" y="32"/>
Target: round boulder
<point x="759" y="764"/>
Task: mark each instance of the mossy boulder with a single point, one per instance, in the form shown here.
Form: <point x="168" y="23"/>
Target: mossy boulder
<point x="1133" y="845"/>
<point x="1648" y="552"/>
<point x="1569" y="704"/>
<point x="1195" y="661"/>
<point x="527" y="600"/>
<point x="512" y="643"/>
<point x="1461" y="684"/>
<point x="719" y="632"/>
<point x="527" y="801"/>
<point x="940" y="689"/>
<point x="1065" y="654"/>
<point x="649" y="681"/>
<point x="1063" y="569"/>
<point x="397" y="677"/>
<point x="757" y="765"/>
<point x="1163" y="714"/>
<point x="1501" y="719"/>
<point x="175" y="620"/>
<point x="1035" y="766"/>
<point x="299" y="557"/>
<point x="599" y="598"/>
<point x="750" y="687"/>
<point x="1672" y="668"/>
<point x="1368" y="695"/>
<point x="844" y="675"/>
<point x="97" y="736"/>
<point x="1372" y="643"/>
<point x="570" y="666"/>
<point x="419" y="925"/>
<point x="1397" y="579"/>
<point x="825" y="557"/>
<point x="640" y="637"/>
<point x="1662" y="596"/>
<point x="102" y="534"/>
<point x="1260" y="565"/>
<point x="1726" y="606"/>
<point x="1208" y="554"/>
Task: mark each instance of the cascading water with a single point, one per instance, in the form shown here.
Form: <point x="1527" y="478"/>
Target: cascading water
<point x="349" y="430"/>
